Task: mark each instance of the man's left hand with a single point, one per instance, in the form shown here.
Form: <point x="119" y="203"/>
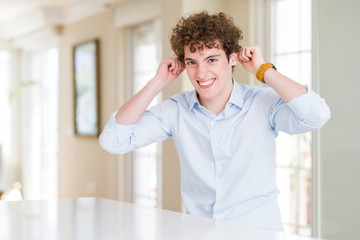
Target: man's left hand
<point x="251" y="58"/>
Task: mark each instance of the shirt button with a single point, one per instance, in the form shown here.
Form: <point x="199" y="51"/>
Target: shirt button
<point x="216" y="144"/>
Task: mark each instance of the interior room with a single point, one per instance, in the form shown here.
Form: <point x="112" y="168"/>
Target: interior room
<point x="51" y="120"/>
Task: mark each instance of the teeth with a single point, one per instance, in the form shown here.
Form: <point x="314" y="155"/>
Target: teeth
<point x="208" y="82"/>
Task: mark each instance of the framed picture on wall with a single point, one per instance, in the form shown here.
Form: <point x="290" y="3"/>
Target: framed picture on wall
<point x="86" y="86"/>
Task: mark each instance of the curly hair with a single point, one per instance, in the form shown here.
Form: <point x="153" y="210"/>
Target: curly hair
<point x="203" y="29"/>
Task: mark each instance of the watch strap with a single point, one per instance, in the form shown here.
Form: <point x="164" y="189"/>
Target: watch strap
<point x="262" y="69"/>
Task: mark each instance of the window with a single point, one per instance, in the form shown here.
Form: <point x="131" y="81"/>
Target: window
<point x="30" y="110"/>
<point x="5" y="122"/>
<point x="146" y="161"/>
<point x="39" y="123"/>
<point x="292" y="53"/>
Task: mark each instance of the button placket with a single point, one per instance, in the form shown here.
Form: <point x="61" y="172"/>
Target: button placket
<point x="216" y="150"/>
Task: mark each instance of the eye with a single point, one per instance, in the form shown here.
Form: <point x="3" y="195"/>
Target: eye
<point x="212" y="60"/>
<point x="190" y="63"/>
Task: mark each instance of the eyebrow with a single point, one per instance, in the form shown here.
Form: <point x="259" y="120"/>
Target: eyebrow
<point x="211" y="56"/>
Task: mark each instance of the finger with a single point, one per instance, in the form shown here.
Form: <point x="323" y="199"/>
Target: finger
<point x="179" y="66"/>
<point x="249" y="53"/>
<point x="240" y="54"/>
<point x="246" y="54"/>
<point x="171" y="65"/>
<point x="174" y="66"/>
<point x="243" y="57"/>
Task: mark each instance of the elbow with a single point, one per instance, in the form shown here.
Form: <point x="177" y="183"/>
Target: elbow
<point x="325" y="116"/>
<point x="111" y="144"/>
<point x="319" y="118"/>
<point x="105" y="144"/>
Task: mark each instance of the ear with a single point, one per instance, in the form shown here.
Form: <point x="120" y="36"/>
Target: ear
<point x="233" y="59"/>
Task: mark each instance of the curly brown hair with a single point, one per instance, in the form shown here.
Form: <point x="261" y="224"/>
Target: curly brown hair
<point x="203" y="29"/>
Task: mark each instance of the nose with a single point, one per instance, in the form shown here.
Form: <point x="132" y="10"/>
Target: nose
<point x="201" y="71"/>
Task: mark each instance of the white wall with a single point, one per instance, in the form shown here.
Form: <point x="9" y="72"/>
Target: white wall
<point x="339" y="52"/>
<point x="84" y="168"/>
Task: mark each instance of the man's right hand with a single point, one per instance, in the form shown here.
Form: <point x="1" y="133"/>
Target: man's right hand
<point x="169" y="69"/>
<point x="131" y="112"/>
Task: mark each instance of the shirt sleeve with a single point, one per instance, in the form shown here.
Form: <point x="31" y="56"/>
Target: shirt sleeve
<point x="305" y="113"/>
<point x="153" y="126"/>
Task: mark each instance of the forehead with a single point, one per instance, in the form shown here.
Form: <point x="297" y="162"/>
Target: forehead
<point x="205" y="52"/>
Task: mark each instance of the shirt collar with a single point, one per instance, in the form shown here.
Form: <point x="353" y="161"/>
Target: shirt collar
<point x="192" y="100"/>
<point x="236" y="97"/>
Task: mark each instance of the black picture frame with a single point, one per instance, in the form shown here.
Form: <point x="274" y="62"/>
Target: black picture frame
<point x="86" y="88"/>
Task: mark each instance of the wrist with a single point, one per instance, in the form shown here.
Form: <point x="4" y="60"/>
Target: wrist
<point x="156" y="84"/>
<point x="262" y="69"/>
<point x="257" y="67"/>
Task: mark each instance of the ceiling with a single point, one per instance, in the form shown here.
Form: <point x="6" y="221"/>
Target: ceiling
<point x="18" y="17"/>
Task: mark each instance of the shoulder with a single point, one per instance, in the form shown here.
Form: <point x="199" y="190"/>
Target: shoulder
<point x="184" y="100"/>
<point x="181" y="97"/>
<point x="261" y="98"/>
<point x="172" y="105"/>
<point x="256" y="92"/>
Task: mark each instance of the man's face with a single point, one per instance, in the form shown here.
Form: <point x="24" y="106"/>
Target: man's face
<point x="210" y="72"/>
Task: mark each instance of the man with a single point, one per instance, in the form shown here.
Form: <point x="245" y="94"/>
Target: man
<point x="224" y="132"/>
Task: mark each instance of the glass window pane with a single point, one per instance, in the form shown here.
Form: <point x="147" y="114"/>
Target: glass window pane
<point x="4" y="98"/>
<point x="305" y="68"/>
<point x="145" y="183"/>
<point x="304" y="231"/>
<point x="39" y="101"/>
<point x="305" y="27"/>
<point x="287" y="150"/>
<point x="290" y="229"/>
<point x="305" y="150"/>
<point x="305" y="198"/>
<point x="287" y="181"/>
<point x="287" y="23"/>
<point x="296" y="66"/>
<point x="292" y="55"/>
<point x="145" y="55"/>
<point x="289" y="65"/>
<point x="5" y="120"/>
<point x="145" y="58"/>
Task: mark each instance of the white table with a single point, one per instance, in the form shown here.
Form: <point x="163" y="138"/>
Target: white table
<point x="102" y="219"/>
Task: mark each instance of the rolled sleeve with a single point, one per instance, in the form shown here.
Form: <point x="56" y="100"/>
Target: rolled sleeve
<point x="310" y="109"/>
<point x="153" y="126"/>
<point x="305" y="113"/>
<point x="115" y="137"/>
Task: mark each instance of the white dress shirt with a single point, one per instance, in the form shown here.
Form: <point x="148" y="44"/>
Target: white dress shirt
<point x="227" y="160"/>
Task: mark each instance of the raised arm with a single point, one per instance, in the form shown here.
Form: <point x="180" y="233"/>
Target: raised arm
<point x="308" y="110"/>
<point x="251" y="59"/>
<point x="131" y="112"/>
<point x="124" y="131"/>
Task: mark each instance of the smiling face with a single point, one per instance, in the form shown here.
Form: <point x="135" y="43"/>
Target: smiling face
<point x="210" y="72"/>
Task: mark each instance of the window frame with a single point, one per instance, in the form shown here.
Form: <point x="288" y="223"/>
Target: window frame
<point x="155" y="24"/>
<point x="262" y="19"/>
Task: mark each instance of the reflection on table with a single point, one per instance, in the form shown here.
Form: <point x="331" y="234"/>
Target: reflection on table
<point x="102" y="219"/>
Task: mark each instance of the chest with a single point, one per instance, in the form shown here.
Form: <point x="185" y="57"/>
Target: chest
<point x="231" y="123"/>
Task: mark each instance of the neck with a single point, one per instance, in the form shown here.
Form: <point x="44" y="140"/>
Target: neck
<point x="217" y="105"/>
